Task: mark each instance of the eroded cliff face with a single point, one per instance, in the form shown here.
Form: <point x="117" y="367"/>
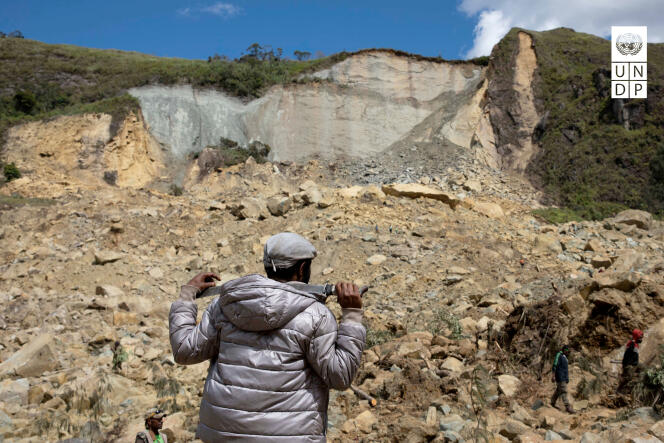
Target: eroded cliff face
<point x="79" y="151"/>
<point x="527" y="118"/>
<point x="511" y="103"/>
<point x="360" y="107"/>
<point x="369" y="104"/>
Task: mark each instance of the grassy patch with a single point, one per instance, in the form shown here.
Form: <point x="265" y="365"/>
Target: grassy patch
<point x="12" y="201"/>
<point x="11" y="172"/>
<point x="232" y="153"/>
<point x="557" y="215"/>
<point x="40" y="81"/>
<point x="649" y="389"/>
<point x="176" y="190"/>
<point x="375" y="337"/>
<point x="444" y="321"/>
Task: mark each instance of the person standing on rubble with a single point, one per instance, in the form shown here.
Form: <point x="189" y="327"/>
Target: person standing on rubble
<point x="154" y="421"/>
<point x="560" y="374"/>
<point x="274" y="349"/>
<point x="631" y="357"/>
<point x="630" y="362"/>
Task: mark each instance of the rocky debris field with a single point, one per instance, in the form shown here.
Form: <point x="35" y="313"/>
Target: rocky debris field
<point x="470" y="298"/>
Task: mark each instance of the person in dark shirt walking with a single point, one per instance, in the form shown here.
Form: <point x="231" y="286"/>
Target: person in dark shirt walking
<point x="560" y="374"/>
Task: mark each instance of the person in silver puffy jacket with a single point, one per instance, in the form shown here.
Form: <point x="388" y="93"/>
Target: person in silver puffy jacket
<point x="274" y="350"/>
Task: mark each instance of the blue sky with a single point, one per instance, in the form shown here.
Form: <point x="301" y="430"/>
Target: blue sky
<point x="197" y="29"/>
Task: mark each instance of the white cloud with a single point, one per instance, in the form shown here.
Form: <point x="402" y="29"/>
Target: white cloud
<point x="496" y="17"/>
<point x="490" y="28"/>
<point x="220" y="9"/>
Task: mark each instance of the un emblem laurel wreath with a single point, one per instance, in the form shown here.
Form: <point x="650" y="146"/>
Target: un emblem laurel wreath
<point x="629" y="44"/>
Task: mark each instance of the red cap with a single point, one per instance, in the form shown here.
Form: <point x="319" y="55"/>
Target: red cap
<point x="637" y="334"/>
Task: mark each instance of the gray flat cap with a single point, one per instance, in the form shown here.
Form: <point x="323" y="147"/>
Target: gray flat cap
<point x="285" y="249"/>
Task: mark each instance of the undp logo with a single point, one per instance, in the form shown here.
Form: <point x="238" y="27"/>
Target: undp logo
<point x="629" y="44"/>
<point x="629" y="56"/>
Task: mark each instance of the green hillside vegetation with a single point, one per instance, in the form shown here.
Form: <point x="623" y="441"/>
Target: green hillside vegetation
<point x="39" y="80"/>
<point x="592" y="160"/>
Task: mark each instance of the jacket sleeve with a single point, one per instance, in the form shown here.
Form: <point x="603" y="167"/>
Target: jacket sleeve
<point x="192" y="343"/>
<point x="335" y="352"/>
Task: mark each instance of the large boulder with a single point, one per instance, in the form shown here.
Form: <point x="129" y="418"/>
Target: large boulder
<point x="128" y="303"/>
<point x="209" y="160"/>
<point x="278" y="205"/>
<point x="311" y="196"/>
<point x="640" y="219"/>
<point x="415" y="190"/>
<point x="574" y="304"/>
<point x="5" y="422"/>
<point x="376" y="259"/>
<point x="590" y="437"/>
<point x="121" y="318"/>
<point x="250" y="207"/>
<point x="552" y="436"/>
<point x="15" y="391"/>
<point x="513" y="428"/>
<point x="508" y="384"/>
<point x="627" y="261"/>
<point x="33" y="359"/>
<point x="103" y="257"/>
<point x="372" y="193"/>
<point x="491" y="210"/>
<point x="644" y="440"/>
<point x="364" y="422"/>
<point x="452" y="423"/>
<point x="453" y="364"/>
<point x="178" y="423"/>
<point x="654" y="337"/>
<point x="411" y="429"/>
<point x="307" y="185"/>
<point x="600" y="261"/>
<point x="352" y="192"/>
<point x="109" y="291"/>
<point x="547" y="244"/>
<point x="625" y="281"/>
<point x="657" y="430"/>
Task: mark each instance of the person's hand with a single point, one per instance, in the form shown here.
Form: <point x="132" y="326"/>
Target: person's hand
<point x="348" y="295"/>
<point x="203" y="281"/>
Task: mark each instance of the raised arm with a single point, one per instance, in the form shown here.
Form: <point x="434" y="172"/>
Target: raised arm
<point x="335" y="352"/>
<point x="193" y="343"/>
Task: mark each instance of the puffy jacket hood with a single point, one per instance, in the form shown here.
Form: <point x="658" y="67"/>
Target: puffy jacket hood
<point x="257" y="303"/>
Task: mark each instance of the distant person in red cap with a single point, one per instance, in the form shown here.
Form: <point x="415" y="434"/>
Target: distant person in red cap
<point x="631" y="356"/>
<point x="630" y="362"/>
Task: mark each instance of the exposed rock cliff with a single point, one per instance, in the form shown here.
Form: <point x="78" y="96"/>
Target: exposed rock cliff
<point x="358" y="107"/>
<point x="511" y="105"/>
<point x="81" y="151"/>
